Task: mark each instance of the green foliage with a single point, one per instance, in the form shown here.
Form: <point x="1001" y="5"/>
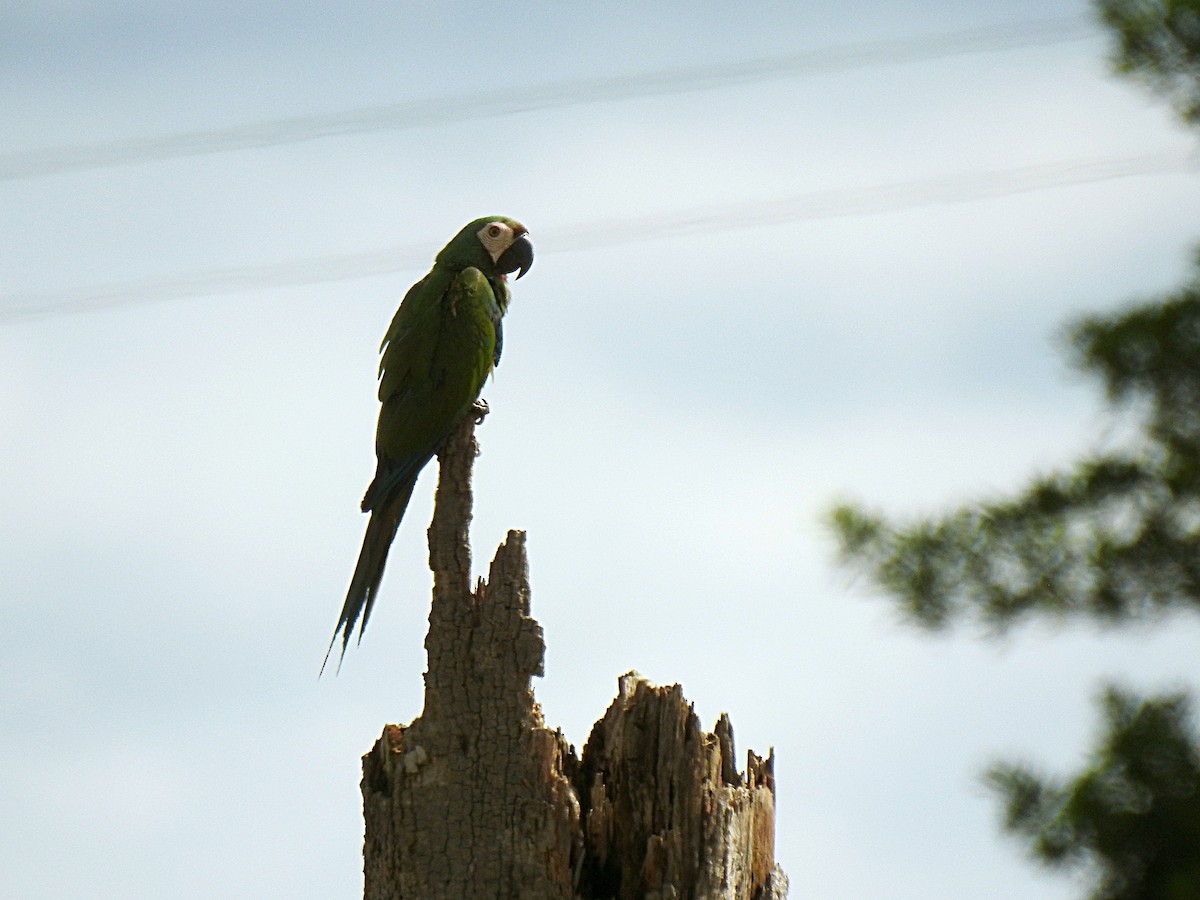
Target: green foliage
<point x="1158" y="43"/>
<point x="1150" y="354"/>
<point x="1132" y="818"/>
<point x="1115" y="538"/>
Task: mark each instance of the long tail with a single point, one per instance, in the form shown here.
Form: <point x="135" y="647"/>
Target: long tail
<point x="364" y="586"/>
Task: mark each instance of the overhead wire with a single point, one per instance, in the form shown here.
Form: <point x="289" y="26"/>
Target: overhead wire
<point x="714" y="218"/>
<point x="509" y="101"/>
<point x="809" y="205"/>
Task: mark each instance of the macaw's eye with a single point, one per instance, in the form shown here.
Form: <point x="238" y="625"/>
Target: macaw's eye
<point x="494" y="230"/>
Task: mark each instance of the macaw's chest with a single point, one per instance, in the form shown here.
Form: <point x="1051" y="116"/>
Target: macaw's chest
<point x="470" y="327"/>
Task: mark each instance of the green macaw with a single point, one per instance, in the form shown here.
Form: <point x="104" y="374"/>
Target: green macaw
<point x="443" y="342"/>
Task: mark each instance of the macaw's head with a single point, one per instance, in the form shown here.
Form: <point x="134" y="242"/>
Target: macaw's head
<point x="494" y="245"/>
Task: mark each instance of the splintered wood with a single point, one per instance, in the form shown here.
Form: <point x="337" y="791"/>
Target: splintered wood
<point x="477" y="798"/>
<point x="665" y="813"/>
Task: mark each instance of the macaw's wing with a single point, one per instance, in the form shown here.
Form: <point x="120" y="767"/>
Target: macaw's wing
<point x="410" y="327"/>
<point x="436" y="356"/>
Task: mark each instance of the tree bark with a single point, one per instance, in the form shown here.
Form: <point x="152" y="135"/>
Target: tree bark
<point x="666" y="814"/>
<point x="477" y="798"/>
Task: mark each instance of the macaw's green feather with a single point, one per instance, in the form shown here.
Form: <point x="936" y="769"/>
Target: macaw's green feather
<point x="442" y="344"/>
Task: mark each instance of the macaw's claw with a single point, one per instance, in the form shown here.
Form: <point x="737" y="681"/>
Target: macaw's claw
<point x="479" y="410"/>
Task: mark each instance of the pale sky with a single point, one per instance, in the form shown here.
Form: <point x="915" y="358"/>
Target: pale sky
<point x="678" y="407"/>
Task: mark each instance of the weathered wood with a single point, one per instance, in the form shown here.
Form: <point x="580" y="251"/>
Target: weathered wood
<point x="477" y="798"/>
<point x="470" y="800"/>
<point x="665" y="812"/>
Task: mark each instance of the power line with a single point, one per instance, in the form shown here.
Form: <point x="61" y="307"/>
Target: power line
<point x="811" y="205"/>
<point x="872" y="199"/>
<point x="490" y="104"/>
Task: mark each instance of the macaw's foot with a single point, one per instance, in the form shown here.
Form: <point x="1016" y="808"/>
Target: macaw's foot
<point x="479" y="410"/>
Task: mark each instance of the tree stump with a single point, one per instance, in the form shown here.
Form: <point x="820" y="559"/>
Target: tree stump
<point x="665" y="812"/>
<point x="477" y="798"/>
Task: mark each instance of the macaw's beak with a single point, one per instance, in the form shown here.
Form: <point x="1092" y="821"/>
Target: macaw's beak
<point x="518" y="256"/>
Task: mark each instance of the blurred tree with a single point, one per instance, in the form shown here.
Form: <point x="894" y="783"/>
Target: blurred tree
<point x="1158" y="43"/>
<point x="1132" y="816"/>
<point x="1115" y="538"/>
